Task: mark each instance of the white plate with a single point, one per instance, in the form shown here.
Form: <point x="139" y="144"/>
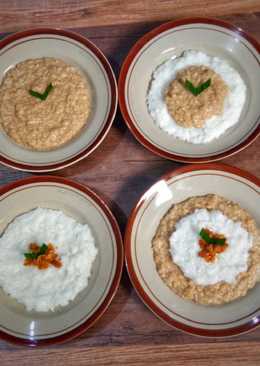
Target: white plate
<point x="214" y="37"/>
<point x="232" y="183"/>
<point x="34" y="328"/>
<point x="80" y="52"/>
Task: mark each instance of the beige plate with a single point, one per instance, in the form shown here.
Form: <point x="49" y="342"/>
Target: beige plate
<point x="32" y="328"/>
<point x="214" y="321"/>
<point x="80" y="52"/>
<point x="214" y="37"/>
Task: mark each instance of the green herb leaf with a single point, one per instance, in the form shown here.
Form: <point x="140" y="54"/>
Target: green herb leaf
<point x="205" y="236"/>
<point x="43" y="249"/>
<point x="32" y="255"/>
<point x="47" y="91"/>
<point x="42" y="96"/>
<point x="36" y="94"/>
<point x="189" y="86"/>
<point x="196" y="90"/>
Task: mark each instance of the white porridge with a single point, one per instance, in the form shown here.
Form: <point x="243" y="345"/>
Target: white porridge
<point x="56" y="285"/>
<point x="225" y="115"/>
<point x="207" y="249"/>
<point x="184" y="247"/>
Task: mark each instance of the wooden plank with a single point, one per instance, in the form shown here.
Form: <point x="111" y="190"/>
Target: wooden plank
<point x="220" y="354"/>
<point x="17" y="14"/>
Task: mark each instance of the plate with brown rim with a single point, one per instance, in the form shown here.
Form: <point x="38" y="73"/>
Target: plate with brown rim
<point x="32" y="328"/>
<point x="168" y="41"/>
<point x="81" y="53"/>
<point x="233" y="318"/>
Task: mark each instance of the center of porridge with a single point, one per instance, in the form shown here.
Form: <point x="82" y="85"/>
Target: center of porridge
<point x="190" y="110"/>
<point x="211" y="244"/>
<point x="185" y="247"/>
<point x="42" y="256"/>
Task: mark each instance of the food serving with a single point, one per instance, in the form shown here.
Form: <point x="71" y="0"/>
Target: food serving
<point x="196" y="97"/>
<point x="44" y="103"/>
<point x="207" y="249"/>
<point x="47" y="259"/>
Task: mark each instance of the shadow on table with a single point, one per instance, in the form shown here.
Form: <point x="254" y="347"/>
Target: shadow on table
<point x="127" y="36"/>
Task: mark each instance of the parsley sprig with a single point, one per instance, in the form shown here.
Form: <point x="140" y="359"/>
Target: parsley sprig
<point x="42" y="96"/>
<point x="196" y="90"/>
<point x="34" y="255"/>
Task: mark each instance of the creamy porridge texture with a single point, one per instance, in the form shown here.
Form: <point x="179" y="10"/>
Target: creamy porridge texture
<point x="184" y="247"/>
<point x="176" y="248"/>
<point x="195" y="119"/>
<point x="43" y="289"/>
<point x="44" y="124"/>
<point x="189" y="110"/>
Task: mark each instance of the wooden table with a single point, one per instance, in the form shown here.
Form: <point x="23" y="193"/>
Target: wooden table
<point x="121" y="170"/>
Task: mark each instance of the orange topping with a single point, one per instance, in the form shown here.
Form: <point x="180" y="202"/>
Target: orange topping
<point x="43" y="261"/>
<point x="34" y="247"/>
<point x="210" y="251"/>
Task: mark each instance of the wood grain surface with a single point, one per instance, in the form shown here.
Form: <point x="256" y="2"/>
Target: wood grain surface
<point x="121" y="170"/>
<point x="16" y="14"/>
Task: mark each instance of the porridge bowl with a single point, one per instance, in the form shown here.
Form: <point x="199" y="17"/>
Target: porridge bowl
<point x="62" y="260"/>
<point x="196" y="100"/>
<point x="192" y="248"/>
<point x="58" y="98"/>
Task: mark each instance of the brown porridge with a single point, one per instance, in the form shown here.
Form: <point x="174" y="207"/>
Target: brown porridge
<point x="44" y="124"/>
<point x="172" y="275"/>
<point x="189" y="110"/>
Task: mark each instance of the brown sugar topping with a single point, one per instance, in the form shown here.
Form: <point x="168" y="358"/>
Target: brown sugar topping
<point x="210" y="250"/>
<point x="42" y="257"/>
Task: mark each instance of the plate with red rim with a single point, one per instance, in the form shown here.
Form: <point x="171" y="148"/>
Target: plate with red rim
<point x="232" y="183"/>
<point x="213" y="37"/>
<point x="77" y="51"/>
<point x="20" y="326"/>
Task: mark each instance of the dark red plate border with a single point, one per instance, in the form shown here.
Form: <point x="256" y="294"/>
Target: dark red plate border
<point x="113" y="85"/>
<point x="214" y="333"/>
<point x="122" y="83"/>
<point x="119" y="266"/>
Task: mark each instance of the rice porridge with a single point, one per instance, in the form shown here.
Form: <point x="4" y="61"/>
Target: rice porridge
<point x="44" y="103"/>
<point x="47" y="259"/>
<point x="207" y="249"/>
<point x="195" y="97"/>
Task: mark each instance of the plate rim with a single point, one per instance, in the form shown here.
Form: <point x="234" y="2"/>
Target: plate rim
<point x="103" y="306"/>
<point x="9" y="39"/>
<point x="146" y="299"/>
<point x="141" y="42"/>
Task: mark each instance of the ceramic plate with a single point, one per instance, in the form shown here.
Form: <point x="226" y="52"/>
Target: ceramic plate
<point x="32" y="328"/>
<point x="213" y="321"/>
<point x="214" y="37"/>
<point x="80" y="52"/>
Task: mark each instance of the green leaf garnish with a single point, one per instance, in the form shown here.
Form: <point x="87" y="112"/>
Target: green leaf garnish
<point x="43" y="249"/>
<point x="34" y="255"/>
<point x="205" y="236"/>
<point x="44" y="95"/>
<point x="196" y="90"/>
<point x="30" y="255"/>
